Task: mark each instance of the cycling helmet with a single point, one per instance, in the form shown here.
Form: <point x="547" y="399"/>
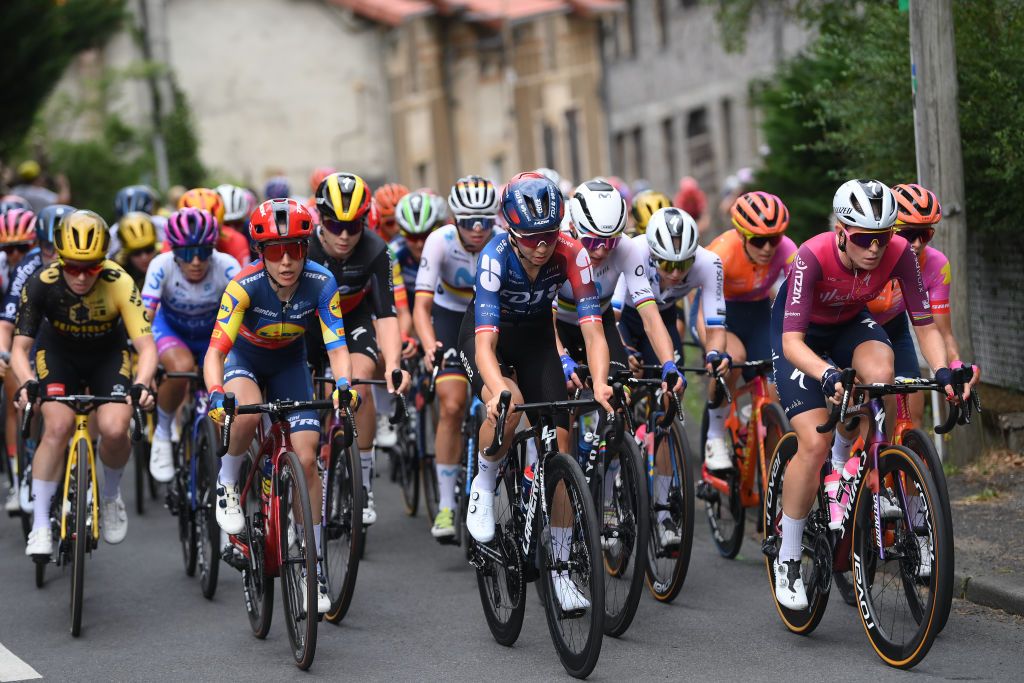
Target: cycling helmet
<point x="236" y="203"/>
<point x="551" y="174"/>
<point x="473" y="195"/>
<point x="417" y="214"/>
<point x="191" y="228"/>
<point x="13" y="201"/>
<point x="277" y="187"/>
<point x="865" y="204"/>
<point x="48" y="220"/>
<point x="18" y="226"/>
<point x="672" y="235"/>
<point x="373" y="216"/>
<point x="645" y="204"/>
<point x="203" y="198"/>
<point x="622" y="186"/>
<point x="136" y="231"/>
<point x="597" y="209"/>
<point x="759" y="213"/>
<point x="318" y="176"/>
<point x="531" y="203"/>
<point x="343" y="197"/>
<point x="916" y="205"/>
<point x="387" y="197"/>
<point x="280" y="219"/>
<point x="82" y="236"/>
<point x="134" y="198"/>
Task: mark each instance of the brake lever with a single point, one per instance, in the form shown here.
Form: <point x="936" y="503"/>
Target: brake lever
<point x="229" y="417"/>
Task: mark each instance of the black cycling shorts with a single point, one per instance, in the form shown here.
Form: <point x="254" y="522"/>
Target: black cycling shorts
<point x="360" y="336"/>
<point x="447" y="324"/>
<point x="633" y="334"/>
<point x="749" y="321"/>
<point x="64" y="368"/>
<point x="572" y="337"/>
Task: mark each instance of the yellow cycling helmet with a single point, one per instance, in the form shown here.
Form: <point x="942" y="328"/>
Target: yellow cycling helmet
<point x="645" y="204"/>
<point x="136" y="231"/>
<point x="82" y="236"/>
<point x="343" y="197"/>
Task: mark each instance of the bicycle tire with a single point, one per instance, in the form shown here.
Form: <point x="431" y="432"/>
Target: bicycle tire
<point x="343" y="504"/>
<point x="140" y="454"/>
<point x="408" y="474"/>
<point x="635" y="528"/>
<point x="207" y="531"/>
<point x="503" y="587"/>
<point x="186" y="515"/>
<point x="298" y="573"/>
<point x="79" y="533"/>
<point x="802" y="622"/>
<point x="664" y="583"/>
<point x="918" y="442"/>
<point x="426" y="427"/>
<point x="257" y="586"/>
<point x="726" y="531"/>
<point x="23" y="461"/>
<point x="40" y="574"/>
<point x="899" y="463"/>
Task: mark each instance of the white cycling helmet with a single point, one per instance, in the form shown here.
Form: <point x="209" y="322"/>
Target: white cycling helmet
<point x="473" y="195"/>
<point x="865" y="204"/>
<point x="551" y="174"/>
<point x="597" y="209"/>
<point x="672" y="235"/>
<point x="236" y="204"/>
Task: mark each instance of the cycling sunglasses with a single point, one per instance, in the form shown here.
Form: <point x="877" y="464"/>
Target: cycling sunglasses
<point x="416" y="239"/>
<point x="537" y="240"/>
<point x="12" y="248"/>
<point x="864" y="239"/>
<point x="671" y="266"/>
<point x="592" y="244"/>
<point x="912" y="234"/>
<point x="144" y="250"/>
<point x="187" y="254"/>
<point x="758" y="241"/>
<point x="79" y="269"/>
<point x="296" y="251"/>
<point x="474" y="223"/>
<point x="348" y="227"/>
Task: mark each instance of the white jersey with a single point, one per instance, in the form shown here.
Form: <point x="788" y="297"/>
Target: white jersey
<point x="159" y="222"/>
<point x="447" y="270"/>
<point x="626" y="260"/>
<point x="189" y="308"/>
<point x="705" y="273"/>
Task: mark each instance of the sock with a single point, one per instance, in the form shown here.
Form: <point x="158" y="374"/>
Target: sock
<point x="716" y="421"/>
<point x="487" y="477"/>
<point x="531" y="452"/>
<point x="840" y="451"/>
<point x="662" y="483"/>
<point x="366" y="460"/>
<point x="111" y="482"/>
<point x="317" y="533"/>
<point x="792" y="538"/>
<point x="609" y="481"/>
<point x="163" y="424"/>
<point x="42" y="497"/>
<point x="561" y="544"/>
<point x="230" y="467"/>
<point x="446" y="475"/>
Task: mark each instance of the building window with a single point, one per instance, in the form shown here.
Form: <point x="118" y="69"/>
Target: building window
<point x="727" y="130"/>
<point x="498" y="168"/>
<point x="549" y="146"/>
<point x="625" y="32"/>
<point x="701" y="151"/>
<point x="572" y="130"/>
<point x="687" y="4"/>
<point x="661" y="18"/>
<point x="668" y="141"/>
<point x="638" y="152"/>
<point x="619" y="154"/>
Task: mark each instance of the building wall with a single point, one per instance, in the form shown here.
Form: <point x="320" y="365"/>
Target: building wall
<point x="996" y="297"/>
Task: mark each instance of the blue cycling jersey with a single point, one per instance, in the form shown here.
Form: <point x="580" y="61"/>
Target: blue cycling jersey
<point x="31" y="262"/>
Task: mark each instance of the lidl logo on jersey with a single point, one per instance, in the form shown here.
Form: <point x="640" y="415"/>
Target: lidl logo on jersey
<point x="272" y="330"/>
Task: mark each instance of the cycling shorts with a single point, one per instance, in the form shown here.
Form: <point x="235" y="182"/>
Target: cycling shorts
<point x="898" y="330"/>
<point x="64" y="369"/>
<point x="572" y="337"/>
<point x="280" y="373"/>
<point x="799" y="393"/>
<point x="166" y="337"/>
<point x="750" y="320"/>
<point x="360" y="334"/>
<point x="447" y="324"/>
<point x="631" y="325"/>
<point x="526" y="353"/>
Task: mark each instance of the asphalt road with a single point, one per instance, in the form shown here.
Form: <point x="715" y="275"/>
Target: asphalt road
<point x="417" y="616"/>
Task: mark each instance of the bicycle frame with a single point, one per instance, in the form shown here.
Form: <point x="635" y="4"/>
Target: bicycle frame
<point x="81" y="434"/>
<point x="470" y="430"/>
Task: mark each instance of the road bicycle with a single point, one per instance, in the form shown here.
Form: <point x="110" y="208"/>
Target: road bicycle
<point x="75" y="512"/>
<point x="404" y="455"/>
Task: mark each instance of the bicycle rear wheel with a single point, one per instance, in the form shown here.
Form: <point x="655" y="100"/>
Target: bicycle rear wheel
<point x="408" y="471"/>
<point x="571" y="555"/>
<point x="140" y="454"/>
<point x="426" y="428"/>
<point x="724" y="511"/>
<point x="667" y="565"/>
<point x="206" y="529"/>
<point x="901" y="596"/>
<point x="298" y="559"/>
<point x="257" y="587"/>
<point x="342" y="535"/>
<point x="500" y="566"/>
<point x="624" y="538"/>
<point x="181" y="488"/>
<point x="78" y="531"/>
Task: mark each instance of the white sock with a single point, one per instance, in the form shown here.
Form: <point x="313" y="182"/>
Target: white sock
<point x="716" y="421"/>
<point x="163" y="424"/>
<point x="531" y="452"/>
<point x="230" y="467"/>
<point x="366" y="460"/>
<point x="662" y="484"/>
<point x="561" y="544"/>
<point x="446" y="476"/>
<point x="840" y="451"/>
<point x="487" y="477"/>
<point x="42" y="497"/>
<point x="111" y="482"/>
<point x="792" y="538"/>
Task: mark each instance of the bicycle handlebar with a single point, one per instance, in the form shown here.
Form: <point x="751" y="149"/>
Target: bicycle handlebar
<point x="838" y="413"/>
<point x="83" y="403"/>
<point x="499" y="426"/>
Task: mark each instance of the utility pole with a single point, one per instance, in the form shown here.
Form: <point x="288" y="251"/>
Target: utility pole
<point x="940" y="169"/>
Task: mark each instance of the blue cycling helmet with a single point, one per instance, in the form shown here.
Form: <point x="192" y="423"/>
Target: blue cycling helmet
<point x="277" y="188"/>
<point x="48" y="219"/>
<point x="134" y="198"/>
<point x="531" y="203"/>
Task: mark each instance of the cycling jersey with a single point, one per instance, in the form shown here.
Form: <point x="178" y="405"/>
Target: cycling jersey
<point x="31" y="262"/>
<point x="408" y="265"/>
<point x="366" y="274"/>
<point x="447" y="271"/>
<point x="189" y="309"/>
<point x="506" y="295"/>
<point x="233" y="243"/>
<point x="744" y="279"/>
<point x="936" y="276"/>
<point x="251" y="309"/>
<point x="627" y="261"/>
<point x="96" y="319"/>
<point x="823" y="291"/>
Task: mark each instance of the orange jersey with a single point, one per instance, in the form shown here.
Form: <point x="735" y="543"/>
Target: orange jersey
<point x="745" y="280"/>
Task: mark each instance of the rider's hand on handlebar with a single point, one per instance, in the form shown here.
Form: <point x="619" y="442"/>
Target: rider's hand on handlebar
<point x="603" y="395"/>
<point x="668" y="370"/>
<point x="21" y="396"/>
<point x="944" y="378"/>
<point x="428" y="358"/>
<point x="410" y="346"/>
<point x="717" y="362"/>
<point x="216" y="406"/>
<point x="492" y="409"/>
<point x="832" y="385"/>
<point x="404" y="387"/>
<point x="344" y="394"/>
<point x="146" y="398"/>
<point x="569" y="372"/>
<point x="975" y="375"/>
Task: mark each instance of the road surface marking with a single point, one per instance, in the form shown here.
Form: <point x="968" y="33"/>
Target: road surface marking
<point x="12" y="668"/>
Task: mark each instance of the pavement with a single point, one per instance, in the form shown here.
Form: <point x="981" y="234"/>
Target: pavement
<point x="416" y="616"/>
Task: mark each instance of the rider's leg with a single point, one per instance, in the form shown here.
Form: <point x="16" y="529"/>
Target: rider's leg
<point x="112" y="422"/>
<point x="174" y="358"/>
<point x="364" y="367"/>
<point x="800" y="485"/>
<point x="47" y="465"/>
<point x="451" y="398"/>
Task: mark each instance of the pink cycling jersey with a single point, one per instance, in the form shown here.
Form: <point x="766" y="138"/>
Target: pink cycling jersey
<point x="823" y="291"/>
<point x="934" y="271"/>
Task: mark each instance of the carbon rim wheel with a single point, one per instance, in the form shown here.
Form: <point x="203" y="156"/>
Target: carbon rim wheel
<point x="502" y="584"/>
<point x="207" y="530"/>
<point x="186" y="515"/>
<point x="257" y="587"/>
<point x="79" y="530"/>
<point x="298" y="559"/>
<point x="667" y="566"/>
<point x="342" y="536"/>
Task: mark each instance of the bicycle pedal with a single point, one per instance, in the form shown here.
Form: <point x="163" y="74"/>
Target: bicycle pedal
<point x="706" y="492"/>
<point x="233" y="558"/>
<point x="41" y="559"/>
<point x="769" y="547"/>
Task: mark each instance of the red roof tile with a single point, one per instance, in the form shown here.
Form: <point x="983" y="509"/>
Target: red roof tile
<point x="394" y="12"/>
<point x="391" y="12"/>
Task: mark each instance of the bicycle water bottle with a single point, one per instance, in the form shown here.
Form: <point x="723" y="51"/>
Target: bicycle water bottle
<point x="527" y="485"/>
<point x="584" y="446"/>
<point x="267" y="484"/>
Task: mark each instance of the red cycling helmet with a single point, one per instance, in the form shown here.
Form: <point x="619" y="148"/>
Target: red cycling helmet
<point x="280" y="219"/>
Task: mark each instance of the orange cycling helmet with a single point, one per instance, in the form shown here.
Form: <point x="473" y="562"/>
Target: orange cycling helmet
<point x="280" y="220"/>
<point x="18" y="226"/>
<point x="387" y="197"/>
<point x="916" y="205"/>
<point x="204" y="198"/>
<point x="760" y="213"/>
<point x="318" y="176"/>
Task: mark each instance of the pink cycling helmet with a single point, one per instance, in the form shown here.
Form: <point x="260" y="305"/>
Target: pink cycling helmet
<point x="191" y="228"/>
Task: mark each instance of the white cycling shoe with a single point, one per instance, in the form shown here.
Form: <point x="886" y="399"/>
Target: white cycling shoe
<point x="568" y="594"/>
<point x="369" y="510"/>
<point x="668" y="534"/>
<point x="789" y="585"/>
<point x="924" y="546"/>
<point x="229" y="509"/>
<point x="13" y="504"/>
<point x="161" y="460"/>
<point x="386" y="435"/>
<point x="718" y="454"/>
<point x="40" y="542"/>
<point x="113" y="520"/>
<point x="323" y="600"/>
<point x="480" y="516"/>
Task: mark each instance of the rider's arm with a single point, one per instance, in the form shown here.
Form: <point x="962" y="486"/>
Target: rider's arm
<point x="213" y="367"/>
<point x="146" y="367"/>
<point x="938" y="298"/>
<point x="389" y="334"/>
<point x="799" y="298"/>
<point x="233" y="304"/>
<point x="20" y="364"/>
<point x="636" y="280"/>
<point x="332" y="327"/>
<point x="153" y="287"/>
<point x="588" y="311"/>
<point x="129" y="305"/>
<point x="427" y="277"/>
<point x="712" y="302"/>
<point x="907" y="270"/>
<point x="422" y="321"/>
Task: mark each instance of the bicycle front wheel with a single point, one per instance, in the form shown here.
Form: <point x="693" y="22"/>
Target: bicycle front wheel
<point x="207" y="531"/>
<point x="140" y="454"/>
<point x="408" y="471"/>
<point x="181" y="489"/>
<point x="500" y="566"/>
<point x="257" y="586"/>
<point x="79" y="530"/>
<point x="298" y="559"/>
<point x="571" y="575"/>
<point x="426" y="429"/>
<point x="342" y="535"/>
<point x="672" y="507"/>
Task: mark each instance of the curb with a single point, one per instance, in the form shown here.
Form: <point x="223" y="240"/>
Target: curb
<point x="990" y="591"/>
